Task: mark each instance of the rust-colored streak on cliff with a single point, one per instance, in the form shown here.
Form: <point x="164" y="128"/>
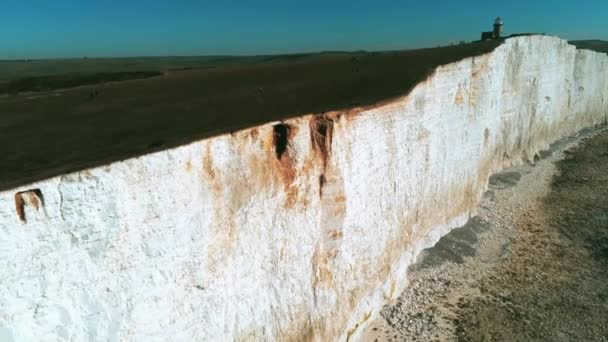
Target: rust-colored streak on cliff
<point x="285" y="164"/>
<point x="31" y="198"/>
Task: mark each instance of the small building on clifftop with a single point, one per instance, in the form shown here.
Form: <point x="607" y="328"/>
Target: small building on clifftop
<point x="496" y="33"/>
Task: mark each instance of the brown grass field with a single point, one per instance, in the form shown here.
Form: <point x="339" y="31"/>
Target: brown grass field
<point x="47" y="133"/>
<point x="592" y="44"/>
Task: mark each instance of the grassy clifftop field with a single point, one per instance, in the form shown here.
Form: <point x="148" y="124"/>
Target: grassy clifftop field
<point x="593" y="44"/>
<point x="47" y="130"/>
<point x="56" y="131"/>
<point x="58" y="116"/>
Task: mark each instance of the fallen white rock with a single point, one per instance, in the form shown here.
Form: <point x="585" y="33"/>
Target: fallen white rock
<point x="287" y="231"/>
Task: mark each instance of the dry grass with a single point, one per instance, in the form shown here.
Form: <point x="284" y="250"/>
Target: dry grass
<point x="46" y="134"/>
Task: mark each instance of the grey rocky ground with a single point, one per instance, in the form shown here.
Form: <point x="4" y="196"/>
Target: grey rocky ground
<point x="532" y="266"/>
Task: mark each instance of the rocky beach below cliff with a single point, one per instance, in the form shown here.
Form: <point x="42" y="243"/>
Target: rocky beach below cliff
<point x="531" y="266"/>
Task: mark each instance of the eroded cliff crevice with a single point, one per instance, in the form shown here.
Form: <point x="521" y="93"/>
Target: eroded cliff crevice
<point x="299" y="229"/>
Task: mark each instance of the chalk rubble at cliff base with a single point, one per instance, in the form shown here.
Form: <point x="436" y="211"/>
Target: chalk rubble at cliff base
<point x="292" y="230"/>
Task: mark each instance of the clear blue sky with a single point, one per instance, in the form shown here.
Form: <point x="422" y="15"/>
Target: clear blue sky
<point x="74" y="28"/>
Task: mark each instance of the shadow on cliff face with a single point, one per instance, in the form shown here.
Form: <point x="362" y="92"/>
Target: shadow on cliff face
<point x="461" y="242"/>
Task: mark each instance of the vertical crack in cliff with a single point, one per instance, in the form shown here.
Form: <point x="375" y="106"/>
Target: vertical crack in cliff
<point x="321" y="135"/>
<point x="280" y="138"/>
<point x="60" y="193"/>
<point x="281" y="135"/>
<point x="333" y="208"/>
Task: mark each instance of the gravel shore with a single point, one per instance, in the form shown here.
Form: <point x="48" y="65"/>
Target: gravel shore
<point x="531" y="266"/>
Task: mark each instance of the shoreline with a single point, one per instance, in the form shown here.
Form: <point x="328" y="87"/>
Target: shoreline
<point x="466" y="286"/>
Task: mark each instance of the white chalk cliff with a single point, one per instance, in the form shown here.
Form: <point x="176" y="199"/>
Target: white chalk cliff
<point x="293" y="230"/>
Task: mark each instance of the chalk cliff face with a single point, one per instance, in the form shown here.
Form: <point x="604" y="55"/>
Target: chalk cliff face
<point x="292" y="230"/>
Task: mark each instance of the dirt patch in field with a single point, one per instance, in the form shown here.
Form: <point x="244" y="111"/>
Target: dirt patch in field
<point x="533" y="266"/>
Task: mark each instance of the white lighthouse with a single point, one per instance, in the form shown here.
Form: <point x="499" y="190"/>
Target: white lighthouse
<point x="498" y="23"/>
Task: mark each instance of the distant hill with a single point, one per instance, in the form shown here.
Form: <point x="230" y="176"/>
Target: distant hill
<point x="594" y="44"/>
